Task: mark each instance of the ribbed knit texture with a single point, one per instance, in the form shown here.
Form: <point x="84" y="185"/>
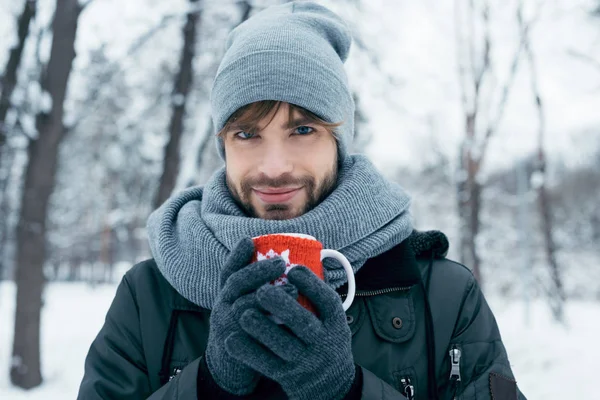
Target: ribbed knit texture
<point x="294" y="53"/>
<point x="192" y="233"/>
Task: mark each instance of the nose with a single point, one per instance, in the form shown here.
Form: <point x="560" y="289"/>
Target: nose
<point x="276" y="161"/>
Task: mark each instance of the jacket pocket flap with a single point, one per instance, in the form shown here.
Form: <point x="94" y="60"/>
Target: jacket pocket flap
<point x="393" y="316"/>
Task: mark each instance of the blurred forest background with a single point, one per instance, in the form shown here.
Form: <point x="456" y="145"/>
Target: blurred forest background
<point x="486" y="111"/>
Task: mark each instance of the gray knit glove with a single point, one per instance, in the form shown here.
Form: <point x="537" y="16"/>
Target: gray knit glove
<point x="310" y="357"/>
<point x="238" y="283"/>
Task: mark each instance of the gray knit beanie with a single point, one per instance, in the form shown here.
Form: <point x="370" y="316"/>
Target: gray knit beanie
<point x="294" y="53"/>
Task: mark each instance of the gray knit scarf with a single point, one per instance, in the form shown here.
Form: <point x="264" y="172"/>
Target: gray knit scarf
<point x="192" y="233"/>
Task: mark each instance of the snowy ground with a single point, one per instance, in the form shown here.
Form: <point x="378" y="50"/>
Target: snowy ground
<point x="549" y="360"/>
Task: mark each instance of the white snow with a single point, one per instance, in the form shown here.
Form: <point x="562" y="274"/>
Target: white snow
<point x="537" y="180"/>
<point x="45" y="102"/>
<point x="72" y="316"/>
<point x="548" y="360"/>
<point x="178" y="99"/>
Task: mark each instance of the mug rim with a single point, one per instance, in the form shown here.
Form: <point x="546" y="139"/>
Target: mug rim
<point x="296" y="235"/>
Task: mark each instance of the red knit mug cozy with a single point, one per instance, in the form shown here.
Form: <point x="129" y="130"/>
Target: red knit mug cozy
<point x="298" y="249"/>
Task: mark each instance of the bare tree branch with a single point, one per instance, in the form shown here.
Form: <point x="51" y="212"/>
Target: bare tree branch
<point x="494" y="125"/>
<point x="83" y="5"/>
<point x="524" y="28"/>
<point x="478" y="67"/>
<point x="462" y="74"/>
<point x="373" y="58"/>
<point x="585" y="58"/>
<point x="487" y="44"/>
<point x="471" y="34"/>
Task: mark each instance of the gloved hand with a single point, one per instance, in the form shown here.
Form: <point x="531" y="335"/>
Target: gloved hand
<point x="309" y="356"/>
<point x="239" y="281"/>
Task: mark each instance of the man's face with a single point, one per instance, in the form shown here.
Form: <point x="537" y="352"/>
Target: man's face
<point x="284" y="168"/>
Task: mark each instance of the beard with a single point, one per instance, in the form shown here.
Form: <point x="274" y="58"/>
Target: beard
<point x="316" y="193"/>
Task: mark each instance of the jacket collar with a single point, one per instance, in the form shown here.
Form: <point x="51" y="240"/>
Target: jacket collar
<point x="398" y="267"/>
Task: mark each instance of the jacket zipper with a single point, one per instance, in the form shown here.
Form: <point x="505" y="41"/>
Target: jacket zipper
<point x="174" y="373"/>
<point x="365" y="293"/>
<point x="409" y="389"/>
<point x="455" y="355"/>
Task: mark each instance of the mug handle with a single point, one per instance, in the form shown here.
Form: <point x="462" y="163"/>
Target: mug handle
<point x="328" y="253"/>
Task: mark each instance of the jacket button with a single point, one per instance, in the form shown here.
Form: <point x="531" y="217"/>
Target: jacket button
<point x="349" y="319"/>
<point x="397" y="322"/>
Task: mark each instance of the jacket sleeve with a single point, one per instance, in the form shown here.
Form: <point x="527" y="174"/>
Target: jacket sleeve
<point x="485" y="371"/>
<point x="374" y="388"/>
<point x="115" y="367"/>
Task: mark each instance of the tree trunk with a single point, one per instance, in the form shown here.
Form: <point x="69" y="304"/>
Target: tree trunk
<point x="38" y="186"/>
<point x="557" y="295"/>
<point x="183" y="84"/>
<point x="596" y="227"/>
<point x="9" y="80"/>
<point x="469" y="206"/>
<point x="469" y="201"/>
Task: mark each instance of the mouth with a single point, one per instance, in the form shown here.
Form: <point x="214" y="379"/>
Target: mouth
<point x="276" y="195"/>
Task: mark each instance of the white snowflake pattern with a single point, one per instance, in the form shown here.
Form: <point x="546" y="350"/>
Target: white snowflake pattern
<point x="285" y="255"/>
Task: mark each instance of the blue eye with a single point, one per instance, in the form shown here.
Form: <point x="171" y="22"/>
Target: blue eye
<point x="244" y="135"/>
<point x="304" y="130"/>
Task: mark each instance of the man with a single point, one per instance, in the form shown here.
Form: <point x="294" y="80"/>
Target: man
<point x="192" y="322"/>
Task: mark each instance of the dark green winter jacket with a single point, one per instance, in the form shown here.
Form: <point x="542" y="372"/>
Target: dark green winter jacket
<point x="153" y="339"/>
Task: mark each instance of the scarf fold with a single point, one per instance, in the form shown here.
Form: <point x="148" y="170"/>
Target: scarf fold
<point x="192" y="233"/>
